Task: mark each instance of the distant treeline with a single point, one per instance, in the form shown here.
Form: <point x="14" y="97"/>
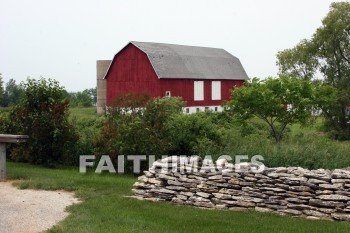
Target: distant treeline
<point x="11" y="92"/>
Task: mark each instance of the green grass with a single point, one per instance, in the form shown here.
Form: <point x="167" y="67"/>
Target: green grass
<point x="83" y="113"/>
<point x="106" y="209"/>
<point x="304" y="146"/>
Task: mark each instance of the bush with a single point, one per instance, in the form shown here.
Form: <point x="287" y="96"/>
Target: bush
<point x="89" y="130"/>
<point x="192" y="134"/>
<point x="137" y="128"/>
<point x="42" y="114"/>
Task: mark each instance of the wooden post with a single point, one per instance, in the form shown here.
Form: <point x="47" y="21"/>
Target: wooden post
<point x="2" y="161"/>
<point x="7" y="138"/>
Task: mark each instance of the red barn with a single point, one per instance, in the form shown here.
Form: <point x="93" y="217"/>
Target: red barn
<point x="202" y="76"/>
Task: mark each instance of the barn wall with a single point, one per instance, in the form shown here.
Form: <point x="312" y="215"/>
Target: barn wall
<point x="185" y="88"/>
<point x="131" y="71"/>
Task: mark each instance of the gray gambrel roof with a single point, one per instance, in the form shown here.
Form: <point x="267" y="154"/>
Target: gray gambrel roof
<point x="192" y="62"/>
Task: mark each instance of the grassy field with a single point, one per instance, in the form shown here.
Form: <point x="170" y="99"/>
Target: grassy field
<point x="83" y="113"/>
<point x="106" y="209"/>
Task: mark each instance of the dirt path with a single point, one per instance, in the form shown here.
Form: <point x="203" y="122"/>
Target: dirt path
<point x="31" y="211"/>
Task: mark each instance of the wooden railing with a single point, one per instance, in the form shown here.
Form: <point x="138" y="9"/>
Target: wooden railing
<point x="8" y="138"/>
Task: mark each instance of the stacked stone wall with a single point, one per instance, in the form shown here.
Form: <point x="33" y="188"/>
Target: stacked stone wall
<point x="315" y="194"/>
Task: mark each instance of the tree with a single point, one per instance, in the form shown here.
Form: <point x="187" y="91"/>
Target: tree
<point x="93" y="93"/>
<point x="12" y="93"/>
<point x="326" y="53"/>
<point x="1" y="90"/>
<point x="279" y="102"/>
<point x="299" y="61"/>
<point x="86" y="98"/>
<point x="80" y="99"/>
<point x="43" y="115"/>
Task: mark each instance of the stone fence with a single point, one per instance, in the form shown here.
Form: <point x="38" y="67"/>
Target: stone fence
<point x="314" y="194"/>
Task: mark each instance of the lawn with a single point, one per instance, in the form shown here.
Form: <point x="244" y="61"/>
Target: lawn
<point x="106" y="209"/>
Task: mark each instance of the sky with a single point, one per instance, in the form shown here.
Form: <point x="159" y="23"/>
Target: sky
<point x="62" y="39"/>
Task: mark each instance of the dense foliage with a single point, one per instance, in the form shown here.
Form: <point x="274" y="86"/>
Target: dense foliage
<point x="139" y="127"/>
<point x="42" y="114"/>
<point x="280" y="102"/>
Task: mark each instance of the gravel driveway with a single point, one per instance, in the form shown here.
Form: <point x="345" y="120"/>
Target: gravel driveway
<point x="31" y="211"/>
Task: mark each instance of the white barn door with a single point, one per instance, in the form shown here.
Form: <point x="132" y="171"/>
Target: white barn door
<point x="198" y="90"/>
<point x="216" y="90"/>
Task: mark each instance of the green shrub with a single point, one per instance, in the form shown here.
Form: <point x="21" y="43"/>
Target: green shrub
<point x="137" y="128"/>
<point x="192" y="134"/>
<point x="88" y="130"/>
<point x="42" y="114"/>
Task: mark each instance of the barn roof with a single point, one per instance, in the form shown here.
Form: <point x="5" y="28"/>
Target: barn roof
<point x="192" y="62"/>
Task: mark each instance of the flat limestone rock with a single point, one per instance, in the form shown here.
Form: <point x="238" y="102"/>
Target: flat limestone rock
<point x="216" y="177"/>
<point x="142" y="185"/>
<point x="340" y="181"/>
<point x="154" y="181"/>
<point x="334" y="197"/>
<point x="139" y="191"/>
<point x="301" y="207"/>
<point x="203" y="194"/>
<point x="263" y="210"/>
<point x="279" y="190"/>
<point x="330" y="204"/>
<point x="204" y="204"/>
<point x="177" y="188"/>
<point x="149" y="174"/>
<point x="331" y="186"/>
<point x="300" y="188"/>
<point x="222" y="196"/>
<point x="291" y="211"/>
<point x="340" y="174"/>
<point x="316" y="181"/>
<point x="174" y="182"/>
<point x="143" y="179"/>
<point x="189" y="194"/>
<point x="296" y="200"/>
<point x="315" y="213"/>
<point x="341" y="216"/>
<point x="198" y="199"/>
<point x="163" y="190"/>
<point x="165" y="177"/>
<point x="318" y="175"/>
<point x="341" y="192"/>
<point x="324" y="192"/>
